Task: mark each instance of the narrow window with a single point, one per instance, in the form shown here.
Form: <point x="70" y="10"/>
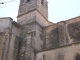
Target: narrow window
<point x="44" y="58"/>
<point x="42" y="2"/>
<point x="28" y="0"/>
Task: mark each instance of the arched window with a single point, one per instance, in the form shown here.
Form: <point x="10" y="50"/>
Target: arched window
<point x="42" y="2"/>
<point x="77" y="57"/>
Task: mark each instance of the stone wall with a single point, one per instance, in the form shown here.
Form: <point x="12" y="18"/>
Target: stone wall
<point x="26" y="7"/>
<point x="63" y="37"/>
<point x="41" y="20"/>
<point x="5" y="23"/>
<point x="62" y="33"/>
<point x="14" y="42"/>
<point x="74" y="31"/>
<point x="68" y="52"/>
<point x="9" y="33"/>
<point x="26" y="41"/>
<point x="39" y="38"/>
<point x="28" y="18"/>
<point x="2" y="41"/>
<point x="5" y="30"/>
<point x="51" y="37"/>
<point x="13" y="48"/>
<point x="43" y="8"/>
<point x="31" y="40"/>
<point x="31" y="17"/>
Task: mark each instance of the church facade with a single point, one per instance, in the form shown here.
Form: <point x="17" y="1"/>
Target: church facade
<point x="33" y="37"/>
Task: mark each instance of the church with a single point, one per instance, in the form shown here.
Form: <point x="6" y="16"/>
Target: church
<point x="34" y="37"/>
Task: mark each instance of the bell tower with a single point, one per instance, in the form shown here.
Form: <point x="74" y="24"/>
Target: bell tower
<point x="27" y="6"/>
<point x="33" y="10"/>
<point x="32" y="17"/>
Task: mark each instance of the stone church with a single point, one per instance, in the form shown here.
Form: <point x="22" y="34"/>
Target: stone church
<point x="33" y="37"/>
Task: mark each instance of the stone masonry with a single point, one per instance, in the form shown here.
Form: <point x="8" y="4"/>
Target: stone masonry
<point x="33" y="37"/>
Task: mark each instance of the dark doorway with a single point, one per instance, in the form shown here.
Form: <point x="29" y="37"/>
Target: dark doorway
<point x="78" y="57"/>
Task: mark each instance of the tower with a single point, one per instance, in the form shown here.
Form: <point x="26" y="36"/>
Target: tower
<point x="32" y="17"/>
<point x="37" y="9"/>
<point x="27" y="6"/>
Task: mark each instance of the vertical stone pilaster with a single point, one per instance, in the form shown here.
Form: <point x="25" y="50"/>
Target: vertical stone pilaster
<point x="6" y="46"/>
<point x="62" y="33"/>
<point x="26" y="50"/>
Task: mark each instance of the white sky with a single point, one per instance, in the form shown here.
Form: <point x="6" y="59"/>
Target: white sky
<point x="59" y="10"/>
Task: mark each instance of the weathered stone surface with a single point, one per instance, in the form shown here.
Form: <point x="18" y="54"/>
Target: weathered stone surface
<point x="2" y="41"/>
<point x="54" y="37"/>
<point x="26" y="7"/>
<point x="29" y="38"/>
<point x="68" y="52"/>
<point x="63" y="34"/>
<point x="51" y="37"/>
<point x="35" y="38"/>
<point x="7" y="42"/>
<point x="74" y="31"/>
<point x="26" y="34"/>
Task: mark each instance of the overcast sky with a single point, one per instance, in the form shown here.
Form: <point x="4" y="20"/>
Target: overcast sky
<point x="59" y="10"/>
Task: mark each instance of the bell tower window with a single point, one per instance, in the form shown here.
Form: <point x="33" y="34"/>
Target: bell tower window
<point x="28" y="0"/>
<point x="42" y="2"/>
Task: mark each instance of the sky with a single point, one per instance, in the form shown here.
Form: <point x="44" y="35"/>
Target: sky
<point x="58" y="10"/>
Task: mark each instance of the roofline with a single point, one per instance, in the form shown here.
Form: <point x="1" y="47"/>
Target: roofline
<point x="33" y="10"/>
<point x="68" y="19"/>
<point x="66" y="45"/>
<point x="50" y="26"/>
<point x="6" y="18"/>
<point x="73" y="18"/>
<point x="16" y="24"/>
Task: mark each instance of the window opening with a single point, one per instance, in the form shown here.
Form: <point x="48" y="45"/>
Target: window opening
<point x="42" y="2"/>
<point x="28" y="0"/>
<point x="44" y="58"/>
